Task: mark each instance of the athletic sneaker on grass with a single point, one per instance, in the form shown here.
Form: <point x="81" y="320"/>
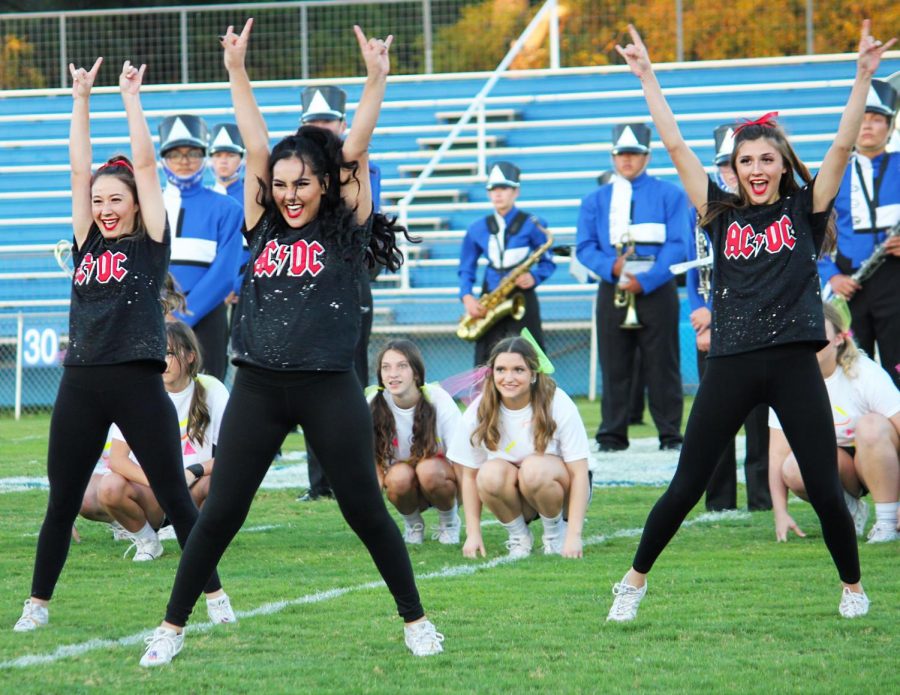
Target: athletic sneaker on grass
<point x="423" y="639"/>
<point x="162" y="646"/>
<point x="33" y="616"/>
<point x="853" y="605"/>
<point x="625" y="605"/>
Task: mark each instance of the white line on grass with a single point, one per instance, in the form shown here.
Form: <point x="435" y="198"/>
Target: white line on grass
<point x="74" y="650"/>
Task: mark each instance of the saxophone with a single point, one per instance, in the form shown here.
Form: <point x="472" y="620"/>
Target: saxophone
<point x="879" y="255"/>
<point x="503" y="301"/>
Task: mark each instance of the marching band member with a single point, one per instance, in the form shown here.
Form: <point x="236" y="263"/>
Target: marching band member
<point x="649" y="218"/>
<point x="506" y="238"/>
<point x="206" y="239"/>
<point x="867" y="205"/>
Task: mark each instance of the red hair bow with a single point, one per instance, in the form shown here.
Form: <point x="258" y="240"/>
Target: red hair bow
<point x="117" y="163"/>
<point x="767" y="120"/>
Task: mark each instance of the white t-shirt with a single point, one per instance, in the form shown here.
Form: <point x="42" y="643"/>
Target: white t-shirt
<point x="870" y="391"/>
<point x="446" y="413"/>
<point x="569" y="441"/>
<point x="216" y="399"/>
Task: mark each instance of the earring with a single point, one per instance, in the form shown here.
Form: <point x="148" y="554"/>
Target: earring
<point x="534" y="380"/>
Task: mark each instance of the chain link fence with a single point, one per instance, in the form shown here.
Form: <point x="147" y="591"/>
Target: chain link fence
<point x="314" y="39"/>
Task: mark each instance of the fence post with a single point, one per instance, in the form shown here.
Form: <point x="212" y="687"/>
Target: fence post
<point x="427" y="37"/>
<point x="554" y="36"/>
<point x="184" y="46"/>
<point x="20" y="328"/>
<point x="63" y="64"/>
<point x="810" y="47"/>
<point x="304" y="42"/>
<point x="679" y="30"/>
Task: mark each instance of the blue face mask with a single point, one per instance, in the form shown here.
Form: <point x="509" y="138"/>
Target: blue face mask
<point x="184" y="183"/>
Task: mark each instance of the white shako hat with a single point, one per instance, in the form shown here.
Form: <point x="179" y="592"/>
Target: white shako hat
<point x="503" y="174"/>
<point x="183" y="130"/>
<point x="631" y="138"/>
<point x="225" y="137"/>
<point x="323" y="103"/>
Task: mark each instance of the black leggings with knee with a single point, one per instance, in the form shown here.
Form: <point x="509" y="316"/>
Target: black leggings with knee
<point x="89" y="400"/>
<point x="264" y="406"/>
<point x="788" y="379"/>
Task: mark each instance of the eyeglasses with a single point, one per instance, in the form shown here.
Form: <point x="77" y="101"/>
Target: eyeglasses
<point x="176" y="156"/>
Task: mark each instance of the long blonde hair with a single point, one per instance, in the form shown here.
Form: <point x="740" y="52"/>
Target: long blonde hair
<point x="847" y="353"/>
<point x="542" y="390"/>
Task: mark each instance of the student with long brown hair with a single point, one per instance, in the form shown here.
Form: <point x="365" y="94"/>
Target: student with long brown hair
<point x="414" y="423"/>
<point x="766" y="318"/>
<point x="524" y="452"/>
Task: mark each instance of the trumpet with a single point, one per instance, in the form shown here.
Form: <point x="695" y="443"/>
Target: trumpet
<point x="623" y="299"/>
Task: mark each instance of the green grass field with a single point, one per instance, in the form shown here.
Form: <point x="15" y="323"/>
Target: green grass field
<point x="728" y="609"/>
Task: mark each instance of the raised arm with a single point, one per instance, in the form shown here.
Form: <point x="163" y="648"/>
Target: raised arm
<point x="250" y="121"/>
<point x="690" y="169"/>
<point x="80" y="153"/>
<point x="356" y="146"/>
<point x="143" y="156"/>
<point x="828" y="180"/>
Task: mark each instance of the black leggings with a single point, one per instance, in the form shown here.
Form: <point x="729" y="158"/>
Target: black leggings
<point x="788" y="379"/>
<point x="89" y="400"/>
<point x="264" y="406"/>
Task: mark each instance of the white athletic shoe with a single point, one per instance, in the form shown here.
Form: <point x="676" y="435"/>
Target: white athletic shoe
<point x="883" y="532"/>
<point x="859" y="510"/>
<point x="423" y="639"/>
<point x="625" y="605"/>
<point x="520" y="546"/>
<point x="167" y="533"/>
<point x="414" y="534"/>
<point x="853" y="605"/>
<point x="162" y="646"/>
<point x="145" y="549"/>
<point x="448" y="535"/>
<point x="553" y="544"/>
<point x="119" y="532"/>
<point x="219" y="610"/>
<point x="33" y="617"/>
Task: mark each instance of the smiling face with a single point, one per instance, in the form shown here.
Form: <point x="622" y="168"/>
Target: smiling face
<point x="225" y="164"/>
<point x="398" y="376"/>
<point x="296" y="191"/>
<point x="759" y="167"/>
<point x="512" y="379"/>
<point x="113" y="207"/>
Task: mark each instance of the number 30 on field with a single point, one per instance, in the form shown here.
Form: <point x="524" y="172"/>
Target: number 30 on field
<point x="41" y="347"/>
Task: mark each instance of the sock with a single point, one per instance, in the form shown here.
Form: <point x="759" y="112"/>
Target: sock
<point x="551" y="525"/>
<point x="448" y="517"/>
<point x="516" y="527"/>
<point x="414" y="518"/>
<point x="886" y="512"/>
<point x="147" y="533"/>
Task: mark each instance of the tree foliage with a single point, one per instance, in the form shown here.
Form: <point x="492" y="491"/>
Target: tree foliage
<point x="17" y="66"/>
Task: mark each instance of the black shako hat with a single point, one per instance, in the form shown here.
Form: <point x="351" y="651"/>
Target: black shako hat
<point x="503" y="174"/>
<point x="724" y="136"/>
<point x="323" y="103"/>
<point x="882" y="98"/>
<point x="183" y="130"/>
<point x="225" y="137"/>
<point x="631" y="138"/>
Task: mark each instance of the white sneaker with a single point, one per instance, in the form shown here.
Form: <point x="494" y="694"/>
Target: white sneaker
<point x="423" y="639"/>
<point x="219" y="610"/>
<point x="167" y="533"/>
<point x="553" y="544"/>
<point x="145" y="549"/>
<point x="162" y="646"/>
<point x="119" y="532"/>
<point x="625" y="605"/>
<point x="883" y="532"/>
<point x="520" y="546"/>
<point x="853" y="605"/>
<point x="859" y="510"/>
<point x="414" y="534"/>
<point x="33" y="616"/>
<point x="448" y="535"/>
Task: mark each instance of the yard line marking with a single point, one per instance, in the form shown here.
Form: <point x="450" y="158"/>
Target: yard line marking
<point x="74" y="650"/>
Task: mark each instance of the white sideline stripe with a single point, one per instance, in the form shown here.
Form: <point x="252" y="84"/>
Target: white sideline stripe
<point x="73" y="650"/>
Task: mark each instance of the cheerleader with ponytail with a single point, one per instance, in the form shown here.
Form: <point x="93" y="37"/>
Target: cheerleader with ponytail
<point x="413" y="423"/>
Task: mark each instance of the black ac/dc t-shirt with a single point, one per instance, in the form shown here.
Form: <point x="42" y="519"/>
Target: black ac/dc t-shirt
<point x="299" y="305"/>
<point x="765" y="282"/>
<point x="115" y="314"/>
